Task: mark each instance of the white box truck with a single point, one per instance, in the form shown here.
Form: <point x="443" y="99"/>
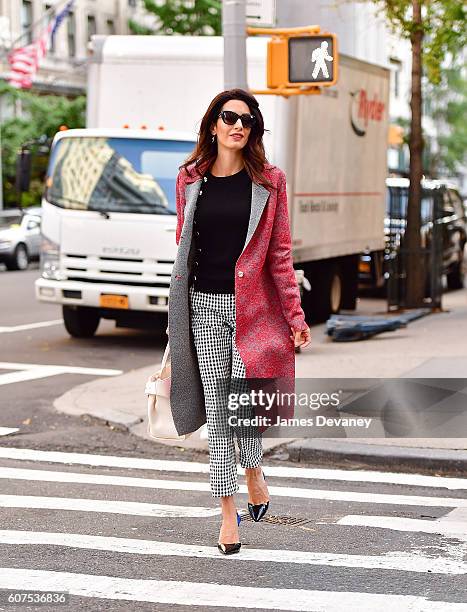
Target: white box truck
<point x="109" y="204"/>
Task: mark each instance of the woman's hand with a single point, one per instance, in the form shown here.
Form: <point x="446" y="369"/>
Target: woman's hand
<point x="301" y="338"/>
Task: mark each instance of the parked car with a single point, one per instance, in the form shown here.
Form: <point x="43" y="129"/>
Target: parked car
<point x="20" y="238"/>
<point x="373" y="272"/>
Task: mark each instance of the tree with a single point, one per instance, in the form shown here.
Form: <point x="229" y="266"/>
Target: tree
<point x="436" y="28"/>
<point x="195" y="18"/>
<point x="41" y="116"/>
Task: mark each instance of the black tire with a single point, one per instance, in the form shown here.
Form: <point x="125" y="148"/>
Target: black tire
<point x="80" y="322"/>
<point x="349" y="268"/>
<point x="327" y="291"/>
<point x="20" y="258"/>
<point x="455" y="276"/>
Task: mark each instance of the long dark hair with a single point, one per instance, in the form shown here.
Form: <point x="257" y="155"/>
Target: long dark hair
<point x="205" y="152"/>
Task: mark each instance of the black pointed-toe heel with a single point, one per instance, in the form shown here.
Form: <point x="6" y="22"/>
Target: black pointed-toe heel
<point x="229" y="549"/>
<point x="257" y="511"/>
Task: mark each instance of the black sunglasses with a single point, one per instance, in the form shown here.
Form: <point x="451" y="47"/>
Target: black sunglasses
<point x="231" y="118"/>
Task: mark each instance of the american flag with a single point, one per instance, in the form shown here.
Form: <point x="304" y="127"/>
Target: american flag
<point x="24" y="61"/>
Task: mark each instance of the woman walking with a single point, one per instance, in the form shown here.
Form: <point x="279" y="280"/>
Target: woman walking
<point x="234" y="304"/>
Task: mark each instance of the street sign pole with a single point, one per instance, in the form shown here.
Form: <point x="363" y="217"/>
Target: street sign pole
<point x="233" y="30"/>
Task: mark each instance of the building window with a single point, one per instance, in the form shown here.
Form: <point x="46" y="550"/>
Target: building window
<point x="110" y="26"/>
<point x="26" y="20"/>
<point x="71" y="35"/>
<point x="92" y="28"/>
<point x="51" y="16"/>
<point x="396" y="74"/>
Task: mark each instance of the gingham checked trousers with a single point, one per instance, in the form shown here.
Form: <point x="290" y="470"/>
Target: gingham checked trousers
<point x="222" y="373"/>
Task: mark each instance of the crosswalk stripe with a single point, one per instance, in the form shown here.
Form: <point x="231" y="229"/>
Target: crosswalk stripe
<point x="24" y="375"/>
<point x="396" y="561"/>
<point x="5" y="329"/>
<point x="100" y="505"/>
<point x="212" y="594"/>
<point x="325" y="494"/>
<point x="451" y="528"/>
<point x="64" y="369"/>
<point x="203" y="468"/>
<point x="5" y="431"/>
<point x="34" y="372"/>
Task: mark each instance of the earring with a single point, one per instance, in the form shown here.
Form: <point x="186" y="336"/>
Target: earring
<point x="213" y="138"/>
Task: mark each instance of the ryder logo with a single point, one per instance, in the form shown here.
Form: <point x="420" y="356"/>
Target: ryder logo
<point x="363" y="110"/>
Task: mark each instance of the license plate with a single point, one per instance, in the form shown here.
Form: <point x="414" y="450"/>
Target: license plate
<point x="108" y="300"/>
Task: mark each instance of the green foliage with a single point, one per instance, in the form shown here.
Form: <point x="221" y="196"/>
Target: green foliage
<point x="196" y="18"/>
<point x="450" y="100"/>
<point x="41" y="116"/>
<point x="443" y="26"/>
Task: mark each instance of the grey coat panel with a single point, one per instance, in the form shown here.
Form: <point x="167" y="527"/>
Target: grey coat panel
<point x="186" y="393"/>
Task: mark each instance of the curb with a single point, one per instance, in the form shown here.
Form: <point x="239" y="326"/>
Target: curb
<point x="374" y="455"/>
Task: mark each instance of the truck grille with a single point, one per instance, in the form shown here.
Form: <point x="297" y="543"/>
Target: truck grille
<point x="120" y="270"/>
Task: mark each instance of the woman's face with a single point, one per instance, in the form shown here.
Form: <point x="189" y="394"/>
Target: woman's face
<point x="225" y="133"/>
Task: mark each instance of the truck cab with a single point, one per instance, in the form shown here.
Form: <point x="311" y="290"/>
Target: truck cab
<point x="108" y="225"/>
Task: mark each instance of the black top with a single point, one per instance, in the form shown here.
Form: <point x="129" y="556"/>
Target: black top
<point x="220" y="227"/>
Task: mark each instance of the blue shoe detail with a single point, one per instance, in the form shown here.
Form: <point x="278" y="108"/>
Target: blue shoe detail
<point x="257" y="511"/>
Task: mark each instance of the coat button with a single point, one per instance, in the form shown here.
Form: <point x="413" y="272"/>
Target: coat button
<point x="199" y="250"/>
<point x="196" y="263"/>
<point x="200" y="192"/>
<point x="240" y="273"/>
<point x="205" y="178"/>
<point x="197" y="233"/>
<point x="194" y="277"/>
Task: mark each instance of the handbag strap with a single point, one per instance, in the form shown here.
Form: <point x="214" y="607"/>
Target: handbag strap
<point x="166" y="354"/>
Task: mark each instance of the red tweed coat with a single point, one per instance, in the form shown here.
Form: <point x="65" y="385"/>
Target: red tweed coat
<point x="267" y="297"/>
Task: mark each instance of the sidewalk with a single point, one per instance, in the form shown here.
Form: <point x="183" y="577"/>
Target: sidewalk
<point x="433" y="346"/>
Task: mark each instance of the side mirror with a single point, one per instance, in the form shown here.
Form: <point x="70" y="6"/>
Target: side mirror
<point x="23" y="171"/>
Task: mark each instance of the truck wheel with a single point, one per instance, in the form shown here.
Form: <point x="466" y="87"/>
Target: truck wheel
<point x="349" y="268"/>
<point x="80" y="322"/>
<point x="327" y="291"/>
<point x="455" y="276"/>
<point x="19" y="260"/>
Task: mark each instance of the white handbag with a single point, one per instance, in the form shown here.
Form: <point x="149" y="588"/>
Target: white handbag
<point x="161" y="425"/>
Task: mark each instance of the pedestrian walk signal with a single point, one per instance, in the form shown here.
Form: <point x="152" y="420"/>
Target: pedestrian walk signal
<point x="311" y="59"/>
<point x="308" y="60"/>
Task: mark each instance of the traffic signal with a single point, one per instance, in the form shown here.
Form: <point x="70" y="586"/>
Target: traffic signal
<point x="305" y="60"/>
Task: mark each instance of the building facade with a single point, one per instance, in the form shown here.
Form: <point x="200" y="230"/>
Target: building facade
<point x="63" y="69"/>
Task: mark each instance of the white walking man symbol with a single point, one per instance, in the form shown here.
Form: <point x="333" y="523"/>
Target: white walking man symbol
<point x="320" y="55"/>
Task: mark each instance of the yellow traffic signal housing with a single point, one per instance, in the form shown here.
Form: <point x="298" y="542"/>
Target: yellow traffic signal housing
<point x="309" y="60"/>
<point x="278" y="63"/>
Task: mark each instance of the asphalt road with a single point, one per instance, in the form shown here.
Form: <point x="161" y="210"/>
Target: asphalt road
<point x="122" y="523"/>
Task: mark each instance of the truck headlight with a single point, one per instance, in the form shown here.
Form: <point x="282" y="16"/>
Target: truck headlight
<point x="50" y="260"/>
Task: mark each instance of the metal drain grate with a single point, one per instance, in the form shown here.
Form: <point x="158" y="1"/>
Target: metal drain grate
<point x="274" y="519"/>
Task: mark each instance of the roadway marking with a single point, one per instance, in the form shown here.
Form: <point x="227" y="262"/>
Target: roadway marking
<point x="101" y="505"/>
<point x="452" y="525"/>
<point x="211" y="594"/>
<point x="33" y="371"/>
<point x="394" y="561"/>
<point x="138" y="463"/>
<point x="5" y="431"/>
<point x="8" y="329"/>
<point x="180" y="485"/>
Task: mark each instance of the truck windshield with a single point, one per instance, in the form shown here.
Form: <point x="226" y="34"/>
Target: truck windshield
<point x="134" y="175"/>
